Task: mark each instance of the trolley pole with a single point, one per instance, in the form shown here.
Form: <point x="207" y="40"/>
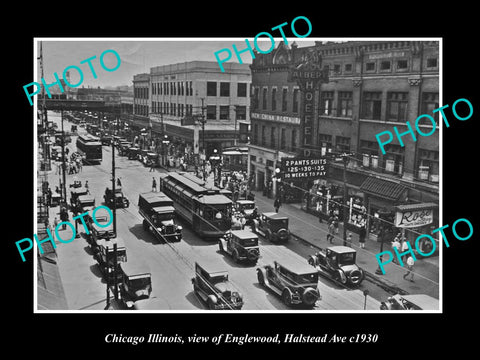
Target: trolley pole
<point x="345" y="220"/>
<point x="113" y="188"/>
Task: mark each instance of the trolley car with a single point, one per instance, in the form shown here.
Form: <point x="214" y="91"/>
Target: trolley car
<point x="206" y="209"/>
<point x="90" y="148"/>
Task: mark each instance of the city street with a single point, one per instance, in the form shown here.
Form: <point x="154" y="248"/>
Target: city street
<point x="172" y="264"/>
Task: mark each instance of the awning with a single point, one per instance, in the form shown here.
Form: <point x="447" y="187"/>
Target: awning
<point x="419" y="206"/>
<point x="384" y="189"/>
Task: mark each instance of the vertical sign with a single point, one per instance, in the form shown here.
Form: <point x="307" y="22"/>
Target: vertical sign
<point x="308" y="76"/>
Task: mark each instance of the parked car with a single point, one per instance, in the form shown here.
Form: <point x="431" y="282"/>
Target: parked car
<point x="242" y="245"/>
<point x="410" y="302"/>
<point x="273" y="226"/>
<point x="211" y="284"/>
<point x="338" y="263"/>
<point x="136" y="283"/>
<point x="296" y="283"/>
<point x="247" y="207"/>
<point x="120" y="200"/>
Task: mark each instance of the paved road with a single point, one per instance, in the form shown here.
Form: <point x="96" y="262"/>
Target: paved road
<point x="172" y="265"/>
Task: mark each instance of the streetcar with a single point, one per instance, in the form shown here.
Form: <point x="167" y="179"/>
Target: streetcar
<point x="90" y="148"/>
<point x="234" y="159"/>
<point x="206" y="209"/>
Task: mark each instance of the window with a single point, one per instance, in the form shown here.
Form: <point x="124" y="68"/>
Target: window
<point x="432" y="62"/>
<point x="294" y="139"/>
<point x="336" y="69"/>
<point x="370" y="66"/>
<point x="282" y="139"/>
<point x="241" y="112"/>
<point x="264" y="99"/>
<point x="273" y="136"/>
<point x="348" y="68"/>
<point x="274" y="98"/>
<point x="325" y="143"/>
<point x="369" y="150"/>
<point x="393" y="159"/>
<point x="284" y="99"/>
<point x="430" y="103"/>
<point x="264" y="135"/>
<point x="224" y="112"/>
<point x="326" y="103"/>
<point x="372" y="105"/>
<point x="295" y="101"/>
<point x="211" y="112"/>
<point x="428" y="165"/>
<point x="224" y="89"/>
<point x="345" y="103"/>
<point x="211" y="88"/>
<point x="402" y="64"/>
<point x="397" y="103"/>
<point x="255" y="134"/>
<point x="242" y="90"/>
<point x="385" y="65"/>
<point x="342" y="144"/>
<point x="255" y="100"/>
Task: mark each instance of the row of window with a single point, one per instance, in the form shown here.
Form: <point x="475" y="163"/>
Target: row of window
<point x="140" y="92"/>
<point x="342" y="106"/>
<point x="173" y="88"/>
<point x="287" y="139"/>
<point x="382" y="65"/>
<point x="224" y="89"/>
<point x="182" y="110"/>
<point x="140" y="109"/>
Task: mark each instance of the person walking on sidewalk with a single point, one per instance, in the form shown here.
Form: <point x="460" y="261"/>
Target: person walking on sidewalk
<point x="361" y="236"/>
<point x="396" y="245"/>
<point x="331" y="229"/>
<point x="277" y="203"/>
<point x="154" y="185"/>
<point x="410" y="264"/>
<point x="405" y="247"/>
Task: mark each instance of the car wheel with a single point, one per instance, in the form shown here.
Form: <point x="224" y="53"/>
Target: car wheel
<point x="235" y="256"/>
<point x="356" y="277"/>
<point x="211" y="304"/>
<point x="261" y="279"/>
<point x="287" y="297"/>
<point x="310" y="297"/>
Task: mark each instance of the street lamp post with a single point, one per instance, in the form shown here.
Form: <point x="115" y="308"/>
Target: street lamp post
<point x="345" y="160"/>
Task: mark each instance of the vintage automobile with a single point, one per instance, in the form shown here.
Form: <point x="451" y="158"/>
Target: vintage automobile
<point x="151" y="159"/>
<point x="123" y="147"/>
<point x="272" y="226"/>
<point x="211" y="284"/>
<point x="410" y="302"/>
<point x="84" y="203"/>
<point x="247" y="207"/>
<point x="75" y="184"/>
<point x="338" y="263"/>
<point x="295" y="282"/>
<point x="136" y="283"/>
<point x="99" y="229"/>
<point x="106" y="139"/>
<point x="120" y="200"/>
<point x="133" y="153"/>
<point x="242" y="245"/>
<point x="104" y="254"/>
<point x="75" y="193"/>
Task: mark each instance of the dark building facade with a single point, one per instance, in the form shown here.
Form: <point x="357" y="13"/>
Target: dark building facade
<point x="370" y="87"/>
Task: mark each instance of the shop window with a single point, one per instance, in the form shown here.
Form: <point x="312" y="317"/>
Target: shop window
<point x="342" y="144"/>
<point x="345" y="103"/>
<point x="326" y="103"/>
<point x="428" y="165"/>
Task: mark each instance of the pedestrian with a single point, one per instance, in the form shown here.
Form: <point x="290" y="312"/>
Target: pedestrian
<point x="87" y="187"/>
<point x="331" y="232"/>
<point x="152" y="166"/>
<point x="79" y="164"/>
<point x="277" y="203"/>
<point x="55" y="222"/>
<point x="410" y="263"/>
<point x="349" y="238"/>
<point x="335" y="223"/>
<point x="154" y="184"/>
<point x="396" y="245"/>
<point x="63" y="217"/>
<point x="119" y="183"/>
<point x="405" y="247"/>
<point x="49" y="197"/>
<point x="361" y="236"/>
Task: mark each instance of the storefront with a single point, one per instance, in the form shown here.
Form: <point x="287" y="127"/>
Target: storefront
<point x="416" y="219"/>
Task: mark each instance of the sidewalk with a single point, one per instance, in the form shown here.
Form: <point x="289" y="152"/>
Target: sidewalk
<point x="306" y="227"/>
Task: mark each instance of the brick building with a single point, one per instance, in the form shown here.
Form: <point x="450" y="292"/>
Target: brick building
<point x="371" y="87"/>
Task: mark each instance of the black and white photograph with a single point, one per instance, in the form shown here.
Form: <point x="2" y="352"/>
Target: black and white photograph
<point x="278" y="184"/>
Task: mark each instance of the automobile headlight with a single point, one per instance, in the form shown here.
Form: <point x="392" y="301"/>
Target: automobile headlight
<point x="179" y="227"/>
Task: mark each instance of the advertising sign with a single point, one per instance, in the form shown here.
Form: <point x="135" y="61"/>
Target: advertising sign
<point x="413" y="218"/>
<point x="300" y="168"/>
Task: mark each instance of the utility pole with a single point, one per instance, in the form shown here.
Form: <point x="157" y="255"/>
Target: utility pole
<point x="344" y="211"/>
<point x="113" y="183"/>
<point x="64" y="187"/>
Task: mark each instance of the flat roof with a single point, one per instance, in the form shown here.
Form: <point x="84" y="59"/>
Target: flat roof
<point x="244" y="234"/>
<point x="341" y="249"/>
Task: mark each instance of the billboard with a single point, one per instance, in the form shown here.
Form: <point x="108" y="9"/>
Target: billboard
<point x="302" y="168"/>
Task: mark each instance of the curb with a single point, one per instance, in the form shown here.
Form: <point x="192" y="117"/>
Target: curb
<point x="384" y="284"/>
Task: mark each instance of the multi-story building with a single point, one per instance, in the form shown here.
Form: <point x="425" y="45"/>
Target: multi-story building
<point x="141" y="93"/>
<point x="181" y="90"/>
<point x="372" y="86"/>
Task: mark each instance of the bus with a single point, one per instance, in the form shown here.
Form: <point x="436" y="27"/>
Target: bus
<point x="205" y="208"/>
<point x="90" y="148"/>
<point x="235" y="159"/>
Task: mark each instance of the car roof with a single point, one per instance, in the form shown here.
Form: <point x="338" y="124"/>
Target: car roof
<point x="135" y="268"/>
<point x="341" y="249"/>
<point x="86" y="198"/>
<point x="111" y="242"/>
<point x="425" y="302"/>
<point x="274" y="215"/>
<point x="297" y="267"/>
<point x="213" y="268"/>
<point x="245" y="202"/>
<point x="244" y="234"/>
